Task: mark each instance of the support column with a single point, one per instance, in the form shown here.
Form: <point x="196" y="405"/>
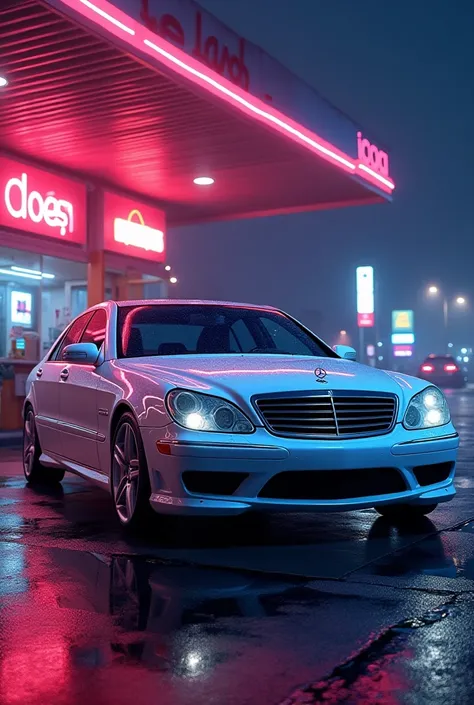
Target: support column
<point x="135" y="284"/>
<point x="95" y="278"/>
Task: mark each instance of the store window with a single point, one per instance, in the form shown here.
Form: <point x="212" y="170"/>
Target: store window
<point x="39" y="296"/>
<point x="63" y="297"/>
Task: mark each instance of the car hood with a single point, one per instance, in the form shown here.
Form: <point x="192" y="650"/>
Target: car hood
<point x="240" y="377"/>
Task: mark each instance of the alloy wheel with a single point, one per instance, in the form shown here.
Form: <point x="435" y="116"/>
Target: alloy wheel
<point x="29" y="443"/>
<point x="125" y="472"/>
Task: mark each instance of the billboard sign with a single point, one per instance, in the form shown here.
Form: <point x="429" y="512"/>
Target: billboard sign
<point x="40" y="202"/>
<point x="133" y="228"/>
<point x="365" y="297"/>
<point x="402" y="322"/>
<point x="402" y="350"/>
<point x="403" y="338"/>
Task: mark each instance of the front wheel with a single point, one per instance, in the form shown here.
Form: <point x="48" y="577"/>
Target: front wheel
<point x="405" y="512"/>
<point x="130" y="480"/>
<point x="34" y="472"/>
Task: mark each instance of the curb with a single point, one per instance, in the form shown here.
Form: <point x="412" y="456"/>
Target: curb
<point x="11" y="440"/>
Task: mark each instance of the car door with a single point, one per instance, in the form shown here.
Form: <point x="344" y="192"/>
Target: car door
<point x="46" y="386"/>
<point x="78" y="400"/>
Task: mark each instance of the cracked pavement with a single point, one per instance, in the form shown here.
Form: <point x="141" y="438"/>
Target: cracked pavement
<point x="335" y="608"/>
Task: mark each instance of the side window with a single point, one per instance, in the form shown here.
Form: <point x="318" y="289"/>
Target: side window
<point x="73" y="335"/>
<point x="95" y="329"/>
<point x="245" y="340"/>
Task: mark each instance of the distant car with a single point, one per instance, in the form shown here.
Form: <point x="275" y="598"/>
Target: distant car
<point x="207" y="408"/>
<point x="444" y="371"/>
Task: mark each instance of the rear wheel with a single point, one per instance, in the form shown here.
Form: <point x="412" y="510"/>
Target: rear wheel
<point x="131" y="488"/>
<point x="405" y="512"/>
<point x="35" y="472"/>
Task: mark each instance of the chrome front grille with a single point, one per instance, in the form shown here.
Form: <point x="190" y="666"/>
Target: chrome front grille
<point x="328" y="415"/>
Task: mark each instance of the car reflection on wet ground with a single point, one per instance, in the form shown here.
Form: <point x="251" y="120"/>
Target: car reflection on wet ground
<point x="294" y="609"/>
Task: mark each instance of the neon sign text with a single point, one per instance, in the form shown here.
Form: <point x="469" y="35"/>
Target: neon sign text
<point x="371" y="156"/>
<point x="208" y="49"/>
<point x="54" y="212"/>
<point x="128" y="232"/>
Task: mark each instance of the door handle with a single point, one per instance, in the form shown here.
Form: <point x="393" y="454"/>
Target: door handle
<point x="39" y="372"/>
<point x="64" y="373"/>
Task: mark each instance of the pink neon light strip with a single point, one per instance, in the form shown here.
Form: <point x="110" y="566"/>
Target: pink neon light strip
<point x="250" y="106"/>
<point x="389" y="184"/>
<point x="107" y="15"/>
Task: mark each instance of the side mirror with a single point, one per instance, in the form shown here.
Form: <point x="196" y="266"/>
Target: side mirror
<point x="80" y="353"/>
<point x="345" y="352"/>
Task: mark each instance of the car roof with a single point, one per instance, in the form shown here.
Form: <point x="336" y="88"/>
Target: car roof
<point x="191" y="302"/>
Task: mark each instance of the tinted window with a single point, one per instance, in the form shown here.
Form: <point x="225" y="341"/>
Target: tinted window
<point x="283" y="338"/>
<point x="243" y="337"/>
<point x="439" y="361"/>
<point x="72" y="335"/>
<point x="95" y="329"/>
<point x="171" y="329"/>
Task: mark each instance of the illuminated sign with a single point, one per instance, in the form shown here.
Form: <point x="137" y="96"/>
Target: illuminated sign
<point x="132" y="228"/>
<point x="138" y="234"/>
<point x="21" y="303"/>
<point x="365" y="297"/>
<point x="206" y="46"/>
<point x="371" y="156"/>
<point x="139" y="25"/>
<point x="402" y="321"/>
<point x="39" y="202"/>
<point x="403" y="338"/>
<point x="402" y="350"/>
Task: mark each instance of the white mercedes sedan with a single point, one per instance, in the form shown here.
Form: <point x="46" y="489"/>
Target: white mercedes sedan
<point x="195" y="407"/>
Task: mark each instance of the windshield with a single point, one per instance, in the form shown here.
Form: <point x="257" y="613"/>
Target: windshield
<point x="193" y="329"/>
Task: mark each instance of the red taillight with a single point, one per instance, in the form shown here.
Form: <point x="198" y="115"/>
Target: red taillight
<point x="450" y="368"/>
<point x="427" y="368"/>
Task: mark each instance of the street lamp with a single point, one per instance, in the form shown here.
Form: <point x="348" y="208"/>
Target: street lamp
<point x="459" y="301"/>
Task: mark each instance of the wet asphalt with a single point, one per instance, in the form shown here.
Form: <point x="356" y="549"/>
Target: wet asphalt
<point x="335" y="608"/>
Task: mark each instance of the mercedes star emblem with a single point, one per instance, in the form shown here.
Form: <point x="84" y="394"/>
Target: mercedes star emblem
<point x="320" y="374"/>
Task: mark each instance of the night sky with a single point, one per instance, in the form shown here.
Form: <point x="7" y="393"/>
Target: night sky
<point x="404" y="70"/>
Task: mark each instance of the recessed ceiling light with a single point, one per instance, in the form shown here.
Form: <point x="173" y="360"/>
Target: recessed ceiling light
<point x="33" y="272"/>
<point x="3" y="82"/>
<point x="168" y="268"/>
<point x="173" y="280"/>
<point x="204" y="181"/>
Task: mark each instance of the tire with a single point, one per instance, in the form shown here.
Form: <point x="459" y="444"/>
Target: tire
<point x="129" y="479"/>
<point x="34" y="472"/>
<point x="405" y="512"/>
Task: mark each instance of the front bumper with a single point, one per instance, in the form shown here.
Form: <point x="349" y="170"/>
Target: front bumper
<point x="262" y="456"/>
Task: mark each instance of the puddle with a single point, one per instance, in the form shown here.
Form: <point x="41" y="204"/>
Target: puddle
<point x="448" y="555"/>
<point x="365" y="678"/>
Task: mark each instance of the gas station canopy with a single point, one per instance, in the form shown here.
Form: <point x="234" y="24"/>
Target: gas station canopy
<point x="117" y="95"/>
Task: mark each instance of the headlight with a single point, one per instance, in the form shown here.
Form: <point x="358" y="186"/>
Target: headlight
<point x="427" y="410"/>
<point x="200" y="412"/>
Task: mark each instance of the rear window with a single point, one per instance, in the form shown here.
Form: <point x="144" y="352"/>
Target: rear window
<point x="192" y="329"/>
<point x="439" y="359"/>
